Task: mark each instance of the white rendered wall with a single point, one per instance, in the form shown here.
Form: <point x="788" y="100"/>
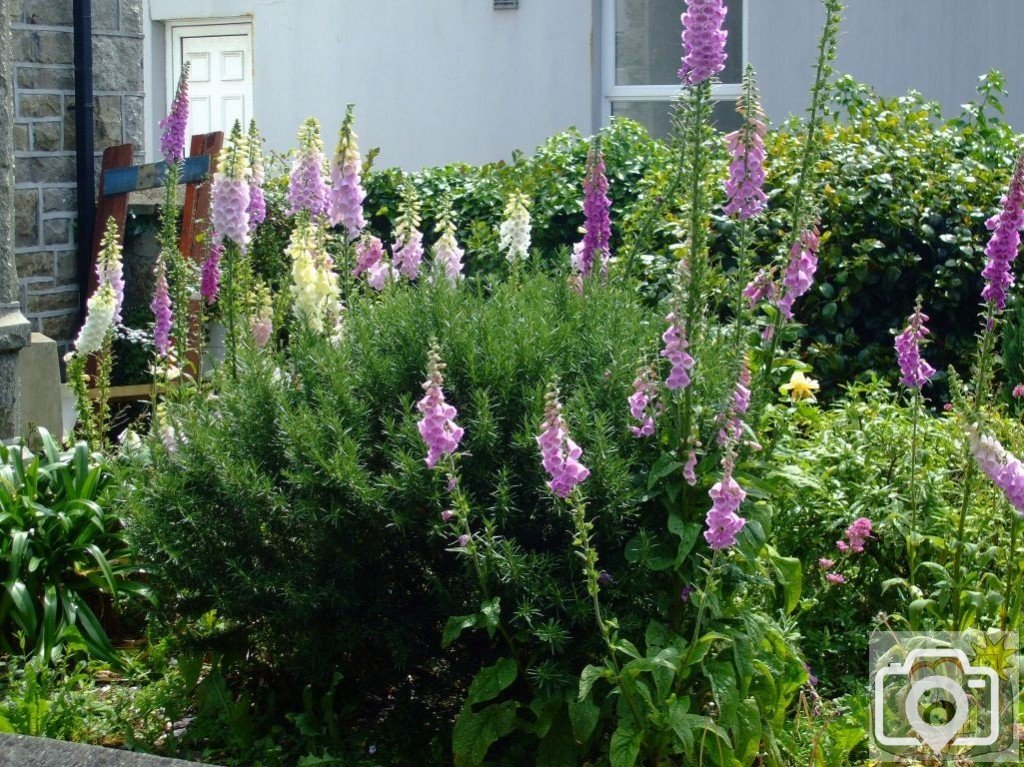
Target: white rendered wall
<point x="938" y="47"/>
<point x="435" y="81"/>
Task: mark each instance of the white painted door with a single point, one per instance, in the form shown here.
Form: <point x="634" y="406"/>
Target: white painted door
<point x="220" y="81"/>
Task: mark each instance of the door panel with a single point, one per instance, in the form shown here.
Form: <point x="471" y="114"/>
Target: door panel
<point x="220" y="80"/>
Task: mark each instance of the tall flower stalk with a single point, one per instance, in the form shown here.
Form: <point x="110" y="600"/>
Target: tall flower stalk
<point x="346" y="196"/>
<point x="593" y="252"/>
<point x="307" y="189"/>
<point x="916" y="372"/>
<point x="407" y="249"/>
<point x="231" y="198"/>
<point x="1001" y="251"/>
<point x="515" y="229"/>
<point x="447" y="253"/>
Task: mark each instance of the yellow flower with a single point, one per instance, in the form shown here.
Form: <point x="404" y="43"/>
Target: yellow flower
<point x="800" y="387"/>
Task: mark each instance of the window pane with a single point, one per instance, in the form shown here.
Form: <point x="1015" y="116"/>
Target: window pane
<point x="648" y="44"/>
<point x="656" y="116"/>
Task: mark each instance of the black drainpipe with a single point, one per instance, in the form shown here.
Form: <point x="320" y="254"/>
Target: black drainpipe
<point x="85" y="150"/>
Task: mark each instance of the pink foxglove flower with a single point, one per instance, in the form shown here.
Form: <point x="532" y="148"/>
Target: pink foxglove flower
<point x="99" y="319"/>
<point x="109" y="268"/>
<point x="229" y="196"/>
<point x="447" y="253"/>
<point x="347" y="194"/>
<point x="1005" y="241"/>
<point x="722" y="521"/>
<point x="703" y="41"/>
<point x="644" y="404"/>
<point x="595" y="248"/>
<point x="257" y="204"/>
<point x="690" y="468"/>
<point x="761" y="288"/>
<point x="738" y="406"/>
<point x="381" y="274"/>
<point x="438" y="429"/>
<point x="161" y="306"/>
<point x="209" y="281"/>
<point x="744" y="188"/>
<point x="803" y="263"/>
<point x="307" y="190"/>
<point x="675" y="351"/>
<point x="174" y="125"/>
<point x="916" y="371"/>
<point x="559" y="454"/>
<point x="407" y="249"/>
<point x="369" y="252"/>
<point x="1001" y="466"/>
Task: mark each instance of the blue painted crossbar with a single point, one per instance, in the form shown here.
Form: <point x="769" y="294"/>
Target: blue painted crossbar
<point x="139" y="178"/>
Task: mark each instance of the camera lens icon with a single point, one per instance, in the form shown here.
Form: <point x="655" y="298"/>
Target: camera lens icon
<point x="946" y="700"/>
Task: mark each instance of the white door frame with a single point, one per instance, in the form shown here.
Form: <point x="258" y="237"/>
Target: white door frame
<point x="611" y="92"/>
<point x="176" y="29"/>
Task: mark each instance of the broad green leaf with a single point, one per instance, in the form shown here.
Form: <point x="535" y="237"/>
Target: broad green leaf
<point x="104" y="565"/>
<point x="455" y="626"/>
<point x="747" y="732"/>
<point x="24" y="610"/>
<point x="625" y="745"/>
<point x="590" y="675"/>
<point x="663" y="467"/>
<point x="490" y="615"/>
<point x="583" y="714"/>
<point x="722" y="677"/>
<point x="790" y="575"/>
<point x="476" y="732"/>
<point x="490" y="681"/>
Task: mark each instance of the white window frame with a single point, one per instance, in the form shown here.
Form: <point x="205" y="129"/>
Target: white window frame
<point x="176" y="29"/>
<point x="612" y="92"/>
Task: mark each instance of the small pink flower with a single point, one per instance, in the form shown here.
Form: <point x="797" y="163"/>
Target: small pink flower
<point x="1018" y="391"/>
<point x="948" y="407"/>
<point x="826" y="564"/>
<point x="690" y="468"/>
<point x="464" y="540"/>
<point x="835" y="578"/>
<point x="446" y="515"/>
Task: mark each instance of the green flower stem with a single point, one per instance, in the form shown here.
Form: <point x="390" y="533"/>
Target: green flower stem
<point x="229" y="305"/>
<point x="912" y="547"/>
<point x="981" y="386"/>
<point x="104" y="367"/>
<point x="801" y="211"/>
<point x="83" y="402"/>
<point x="1011" y="580"/>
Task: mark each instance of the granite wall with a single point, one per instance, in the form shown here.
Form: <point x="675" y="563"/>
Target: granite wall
<point x="44" y="141"/>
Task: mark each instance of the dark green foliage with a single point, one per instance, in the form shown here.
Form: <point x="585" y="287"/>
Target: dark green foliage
<point x="63" y="558"/>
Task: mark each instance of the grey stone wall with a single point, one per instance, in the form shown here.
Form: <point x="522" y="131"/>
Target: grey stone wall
<point x="44" y="141"/>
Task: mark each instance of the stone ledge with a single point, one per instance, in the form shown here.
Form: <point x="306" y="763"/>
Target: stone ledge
<point x="24" y="751"/>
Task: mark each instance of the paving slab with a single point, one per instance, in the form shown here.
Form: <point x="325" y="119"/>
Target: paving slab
<point x="24" y="751"/>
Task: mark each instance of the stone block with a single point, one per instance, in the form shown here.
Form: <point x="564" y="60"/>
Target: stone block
<point x="52" y="13"/>
<point x="39" y="379"/>
<point x="44" y="170"/>
<point x="53" y="300"/>
<point x="69" y="124"/>
<point x="39" y="105"/>
<point x="105" y="16"/>
<point x="59" y="199"/>
<point x="134" y="121"/>
<point x="43" y="46"/>
<point x="57" y="231"/>
<point x="16" y="10"/>
<point x="60" y="327"/>
<point x="26" y="218"/>
<point x="20" y="137"/>
<point x="109" y="127"/>
<point x="34" y="264"/>
<point x="46" y="78"/>
<point x="131" y="16"/>
<point x="46" y="137"/>
<point x="117" y="63"/>
<point x="66" y="267"/>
